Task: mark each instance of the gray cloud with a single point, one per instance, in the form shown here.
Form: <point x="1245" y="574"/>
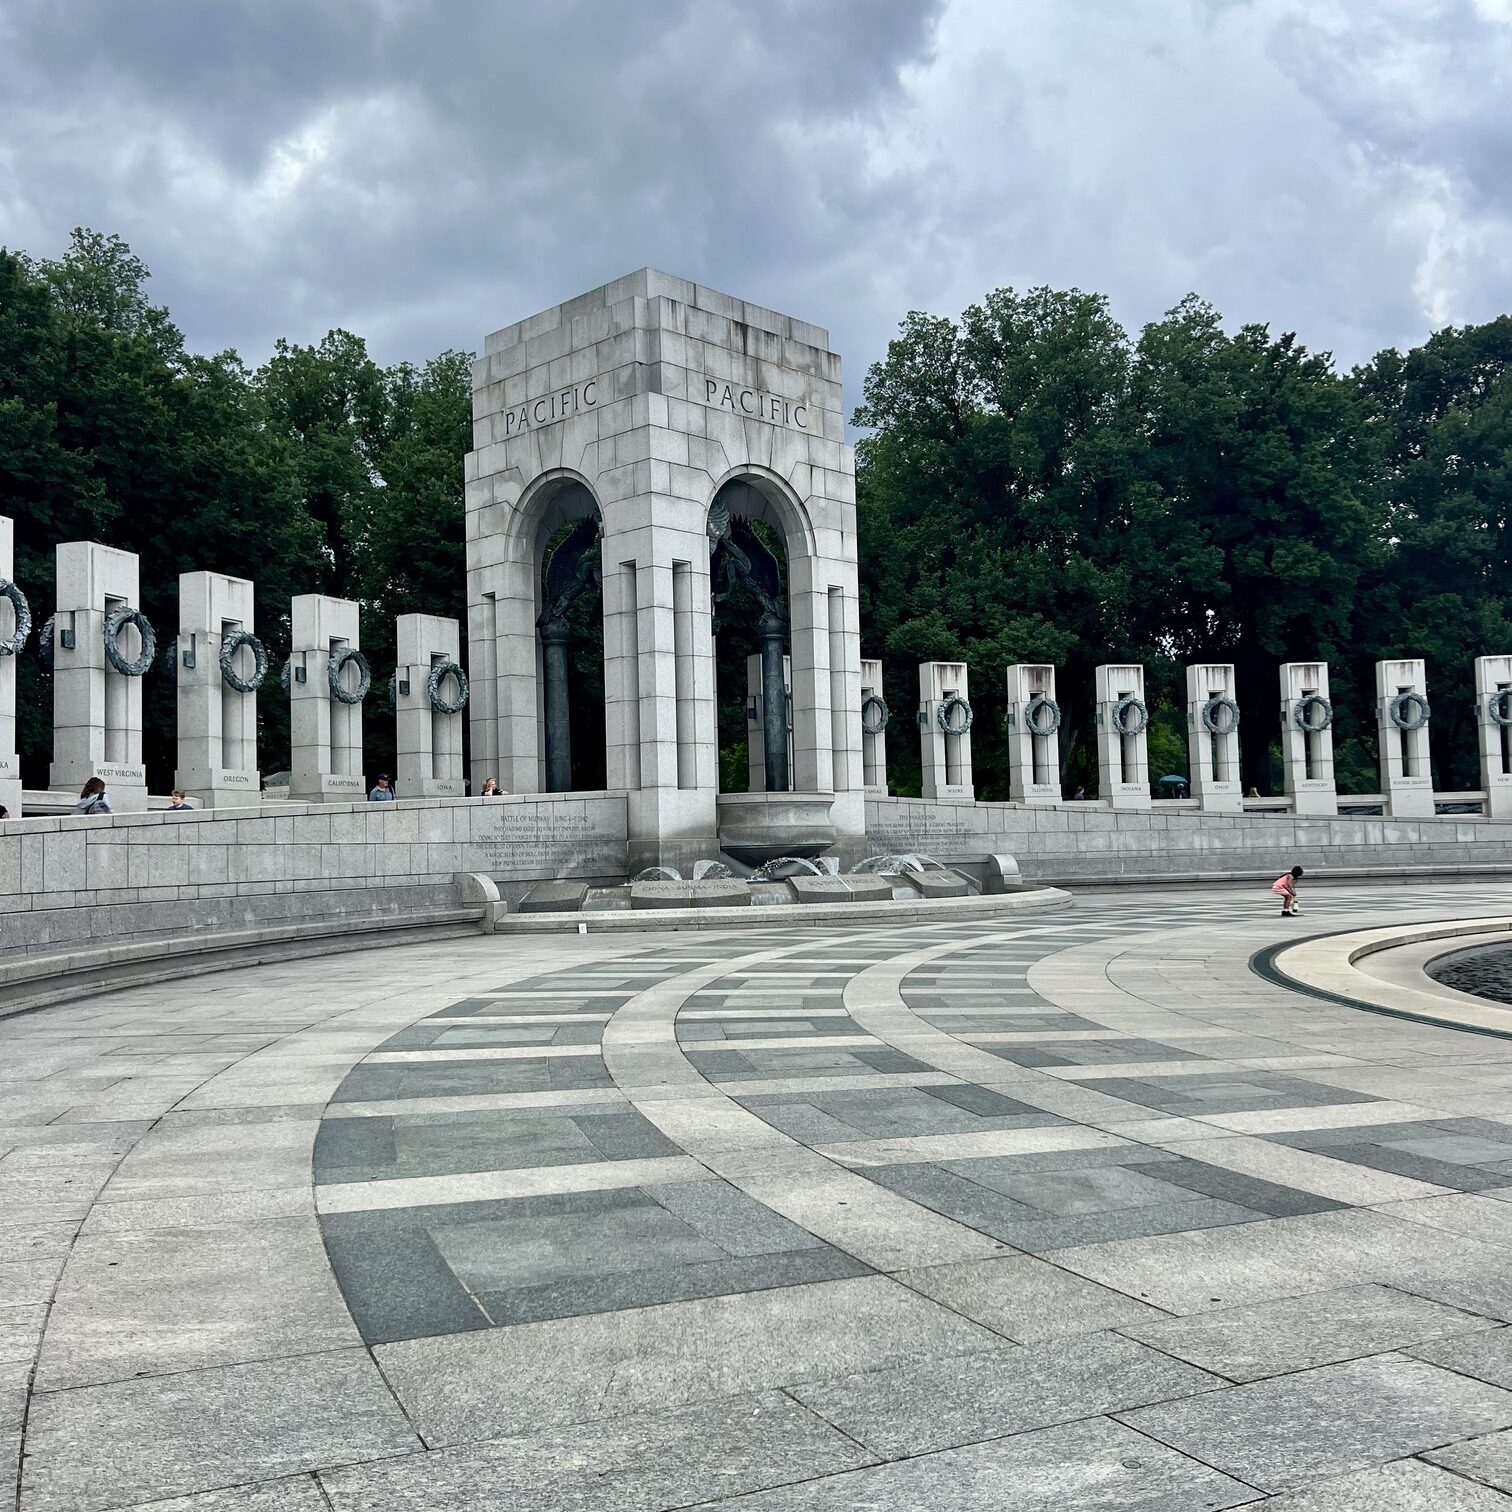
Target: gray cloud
<point x="423" y="172"/>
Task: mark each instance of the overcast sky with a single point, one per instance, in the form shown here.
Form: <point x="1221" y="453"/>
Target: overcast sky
<point x="424" y="171"/>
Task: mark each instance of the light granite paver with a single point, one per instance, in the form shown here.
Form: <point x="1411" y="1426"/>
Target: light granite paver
<point x="101" y="1447"/>
<point x="1283" y="1432"/>
<point x="1027" y="1299"/>
<point x="1404" y="1486"/>
<point x="1319" y="1328"/>
<point x="1487" y="1459"/>
<point x="299" y="1493"/>
<point x="114" y="1317"/>
<point x="1223" y="1267"/>
<point x="1485" y="1355"/>
<point x="646" y="1460"/>
<point x="917" y="1407"/>
<point x="1094" y="1466"/>
<point x="483" y="1384"/>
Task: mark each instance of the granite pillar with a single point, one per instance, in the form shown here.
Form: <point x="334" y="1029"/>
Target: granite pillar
<point x="429" y="744"/>
<point x="1033" y="734"/>
<point x="10" y="761"/>
<point x="873" y="742"/>
<point x="1402" y="715"/>
<point x="1213" y="738"/>
<point x="217" y="723"/>
<point x="97" y="709"/>
<point x="1493" y="728"/>
<point x="945" y="747"/>
<point x="325" y="733"/>
<point x="1123" y="760"/>
<point x="1307" y="762"/>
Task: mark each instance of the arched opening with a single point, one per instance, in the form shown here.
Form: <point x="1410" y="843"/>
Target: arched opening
<point x="754" y="531"/>
<point x="569" y="625"/>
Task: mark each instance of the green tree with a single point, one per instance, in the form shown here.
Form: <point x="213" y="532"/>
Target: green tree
<point x="410" y="550"/>
<point x="101" y="284"/>
<point x="1034" y="487"/>
<point x="111" y="431"/>
<point x="181" y="453"/>
<point x="412" y="554"/>
<point x="329" y="403"/>
<point x="1259" y="456"/>
<point x="1002" y="514"/>
<point x="1444" y="411"/>
<point x="45" y="485"/>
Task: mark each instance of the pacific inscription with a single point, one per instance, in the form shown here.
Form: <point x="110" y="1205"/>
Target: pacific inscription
<point x="550" y="408"/>
<point x="756" y="405"/>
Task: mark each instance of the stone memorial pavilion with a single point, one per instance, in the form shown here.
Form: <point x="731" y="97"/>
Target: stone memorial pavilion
<point x="664" y="418"/>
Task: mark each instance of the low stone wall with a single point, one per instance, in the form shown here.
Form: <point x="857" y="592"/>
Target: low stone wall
<point x="1085" y="842"/>
<point x="80" y="881"/>
<point x="77" y="882"/>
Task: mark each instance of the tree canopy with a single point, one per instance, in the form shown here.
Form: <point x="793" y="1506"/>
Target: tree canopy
<point x="319" y="472"/>
<point x="1036" y="484"/>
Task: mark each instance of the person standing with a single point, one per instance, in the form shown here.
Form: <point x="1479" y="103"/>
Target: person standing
<point x="92" y="798"/>
<point x="384" y="791"/>
<point x="1286" y="887"/>
<point x="179" y="804"/>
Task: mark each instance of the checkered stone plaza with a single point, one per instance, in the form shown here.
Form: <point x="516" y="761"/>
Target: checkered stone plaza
<point x="1076" y="1211"/>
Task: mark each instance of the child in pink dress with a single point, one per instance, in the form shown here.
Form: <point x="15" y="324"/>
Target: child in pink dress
<point x="1286" y="886"/>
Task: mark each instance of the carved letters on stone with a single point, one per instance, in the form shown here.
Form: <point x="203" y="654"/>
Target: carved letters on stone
<point x="550" y="408"/>
<point x="753" y="404"/>
<point x="748" y="403"/>
<point x="915" y="832"/>
<point x="537" y="840"/>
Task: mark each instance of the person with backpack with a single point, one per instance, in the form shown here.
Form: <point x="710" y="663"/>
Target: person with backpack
<point x="92" y="799"/>
<point x="1286" y="886"/>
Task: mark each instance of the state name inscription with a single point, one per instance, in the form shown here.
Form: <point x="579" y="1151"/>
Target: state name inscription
<point x="122" y="773"/>
<point x="542" y="842"/>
